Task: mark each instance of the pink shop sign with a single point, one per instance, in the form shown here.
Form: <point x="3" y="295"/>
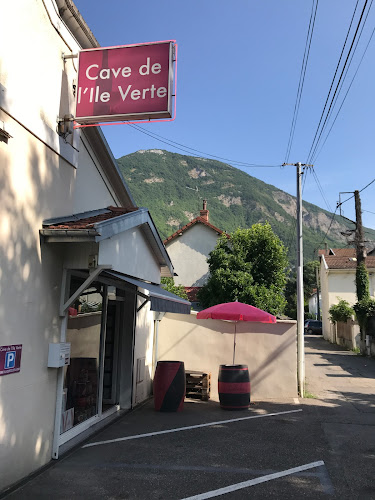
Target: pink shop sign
<point x="130" y="82"/>
<point x="10" y="358"/>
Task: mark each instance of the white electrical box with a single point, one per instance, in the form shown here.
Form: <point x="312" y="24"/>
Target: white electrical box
<point x="59" y="355"/>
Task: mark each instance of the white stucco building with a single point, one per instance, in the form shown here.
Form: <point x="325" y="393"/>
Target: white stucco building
<point x="337" y="280"/>
<point x="80" y="264"/>
<point x="189" y="249"/>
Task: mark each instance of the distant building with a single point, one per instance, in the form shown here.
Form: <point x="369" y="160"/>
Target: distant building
<point x="313" y="303"/>
<point x="337" y="281"/>
<point x="189" y="248"/>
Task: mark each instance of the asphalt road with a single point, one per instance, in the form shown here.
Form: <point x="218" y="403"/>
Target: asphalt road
<point x="319" y="447"/>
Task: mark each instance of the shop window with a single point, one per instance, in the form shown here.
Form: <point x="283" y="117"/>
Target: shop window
<point x="81" y="377"/>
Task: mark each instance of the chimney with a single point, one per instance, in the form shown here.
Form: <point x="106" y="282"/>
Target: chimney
<point x="204" y="213"/>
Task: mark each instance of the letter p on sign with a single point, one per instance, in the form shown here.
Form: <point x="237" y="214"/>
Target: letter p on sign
<point x="10" y="360"/>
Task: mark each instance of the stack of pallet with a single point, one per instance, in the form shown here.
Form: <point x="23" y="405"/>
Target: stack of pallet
<point x="198" y="385"/>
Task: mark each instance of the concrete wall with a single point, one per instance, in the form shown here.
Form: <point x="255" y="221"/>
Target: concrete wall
<point x="270" y="351"/>
<point x="189" y="253"/>
<point x="348" y="334"/>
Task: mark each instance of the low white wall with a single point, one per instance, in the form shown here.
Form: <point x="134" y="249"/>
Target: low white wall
<point x="270" y="351"/>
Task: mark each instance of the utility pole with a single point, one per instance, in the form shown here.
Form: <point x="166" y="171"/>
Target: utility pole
<point x="317" y="293"/>
<point x="299" y="269"/>
<point x="359" y="235"/>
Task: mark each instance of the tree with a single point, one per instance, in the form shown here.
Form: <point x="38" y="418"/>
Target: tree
<point x="249" y="265"/>
<point x="169" y="285"/>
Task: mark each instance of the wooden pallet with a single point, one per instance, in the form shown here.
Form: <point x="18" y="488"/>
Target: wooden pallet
<point x="198" y="385"/>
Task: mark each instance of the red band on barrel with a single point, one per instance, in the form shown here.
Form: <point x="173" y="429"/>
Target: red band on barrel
<point x="234" y="369"/>
<point x="232" y="388"/>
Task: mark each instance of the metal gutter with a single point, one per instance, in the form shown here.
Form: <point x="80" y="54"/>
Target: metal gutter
<point x="76" y="24"/>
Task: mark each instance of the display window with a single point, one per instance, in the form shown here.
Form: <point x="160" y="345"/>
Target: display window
<point x="90" y="379"/>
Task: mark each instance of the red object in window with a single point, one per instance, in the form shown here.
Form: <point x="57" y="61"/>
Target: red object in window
<point x="72" y="311"/>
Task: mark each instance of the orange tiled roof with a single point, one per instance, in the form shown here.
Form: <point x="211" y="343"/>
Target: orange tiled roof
<point x="192" y="292"/>
<point x="338" y="252"/>
<point x="197" y="220"/>
<point x="342" y="262"/>
<point x="89" y="222"/>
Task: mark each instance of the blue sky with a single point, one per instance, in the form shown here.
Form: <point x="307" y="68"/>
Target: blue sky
<point x="239" y="66"/>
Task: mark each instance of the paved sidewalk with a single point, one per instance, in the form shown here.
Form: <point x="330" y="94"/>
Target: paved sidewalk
<point x="317" y="448"/>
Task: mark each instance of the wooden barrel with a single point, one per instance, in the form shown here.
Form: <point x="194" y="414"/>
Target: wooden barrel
<point x="169" y="386"/>
<point x="234" y="387"/>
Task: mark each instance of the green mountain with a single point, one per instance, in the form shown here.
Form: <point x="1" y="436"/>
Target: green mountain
<point x="172" y="187"/>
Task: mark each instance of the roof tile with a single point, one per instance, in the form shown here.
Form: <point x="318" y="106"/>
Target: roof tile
<point x="89" y="222"/>
<point x="199" y="220"/>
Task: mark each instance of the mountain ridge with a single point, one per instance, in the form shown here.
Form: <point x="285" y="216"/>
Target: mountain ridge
<point x="172" y="186"/>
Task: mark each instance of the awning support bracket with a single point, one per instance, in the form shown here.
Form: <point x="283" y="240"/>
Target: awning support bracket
<point x="92" y="276"/>
<point x="147" y="299"/>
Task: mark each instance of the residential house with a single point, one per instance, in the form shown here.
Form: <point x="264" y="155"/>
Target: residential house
<point x="189" y="249"/>
<point x="313" y="303"/>
<point x="80" y="263"/>
<point x="337" y="281"/>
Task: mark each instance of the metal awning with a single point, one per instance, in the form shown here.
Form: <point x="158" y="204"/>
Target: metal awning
<point x="161" y="300"/>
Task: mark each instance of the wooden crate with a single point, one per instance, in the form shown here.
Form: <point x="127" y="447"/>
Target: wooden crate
<point x="198" y="385"/>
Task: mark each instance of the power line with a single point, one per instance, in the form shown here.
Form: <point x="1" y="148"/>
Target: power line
<point x="316" y="142"/>
<point x="315" y="156"/>
<point x="189" y="150"/>
<point x="333" y="79"/>
<point x="292" y="233"/>
<point x="321" y="190"/>
<point x="302" y="78"/>
<point x="329" y="228"/>
<point x="360" y="191"/>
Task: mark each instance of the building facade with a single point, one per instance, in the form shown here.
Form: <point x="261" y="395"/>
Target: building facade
<point x="80" y="263"/>
<point x="189" y="249"/>
<point x="337" y="281"/>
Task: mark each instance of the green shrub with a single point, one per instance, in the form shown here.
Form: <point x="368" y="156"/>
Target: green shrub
<point x="341" y="311"/>
<point x="362" y="282"/>
<point x="363" y="310"/>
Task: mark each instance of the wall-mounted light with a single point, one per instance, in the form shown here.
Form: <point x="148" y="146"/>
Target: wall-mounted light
<point x="65" y="126"/>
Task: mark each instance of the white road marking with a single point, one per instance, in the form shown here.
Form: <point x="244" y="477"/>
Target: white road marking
<point x="149" y="434"/>
<point x="252" y="482"/>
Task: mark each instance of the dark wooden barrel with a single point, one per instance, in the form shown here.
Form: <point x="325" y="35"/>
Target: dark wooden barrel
<point x="234" y="387"/>
<point x="169" y="386"/>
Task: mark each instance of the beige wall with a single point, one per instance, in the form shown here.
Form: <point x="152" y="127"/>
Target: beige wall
<point x="338" y="284"/>
<point x="143" y="348"/>
<point x="270" y="351"/>
<point x="189" y="253"/>
<point x="38" y="181"/>
<point x="129" y="253"/>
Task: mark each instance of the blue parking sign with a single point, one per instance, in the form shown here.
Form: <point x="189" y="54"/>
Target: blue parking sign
<point x="10" y="360"/>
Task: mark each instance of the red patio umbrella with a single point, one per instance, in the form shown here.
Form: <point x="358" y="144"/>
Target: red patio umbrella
<point x="236" y="311"/>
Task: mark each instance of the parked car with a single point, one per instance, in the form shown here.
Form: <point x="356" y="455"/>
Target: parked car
<point x="313" y="326"/>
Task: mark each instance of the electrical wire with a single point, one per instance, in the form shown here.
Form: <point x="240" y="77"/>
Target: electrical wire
<point x="333" y="79"/>
<point x="301" y="78"/>
<point x="352" y="196"/>
<point x="321" y="190"/>
<point x="346" y="94"/>
<point x="189" y="150"/>
<point x="316" y="142"/>
<point x="317" y="153"/>
<point x="329" y="228"/>
<point x="292" y="233"/>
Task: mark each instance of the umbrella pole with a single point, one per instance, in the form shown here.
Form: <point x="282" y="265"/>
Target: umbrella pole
<point x="234" y="341"/>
